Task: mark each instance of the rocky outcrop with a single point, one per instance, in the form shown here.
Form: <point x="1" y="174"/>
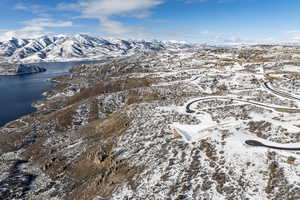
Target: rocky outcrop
<point x="19" y="69"/>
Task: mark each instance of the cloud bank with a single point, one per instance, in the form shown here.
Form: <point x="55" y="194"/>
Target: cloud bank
<point x="34" y="28"/>
<point x="104" y="10"/>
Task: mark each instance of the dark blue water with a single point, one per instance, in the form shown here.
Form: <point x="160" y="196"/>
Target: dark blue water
<point x="17" y="93"/>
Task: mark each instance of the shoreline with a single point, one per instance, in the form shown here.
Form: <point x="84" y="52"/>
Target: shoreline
<point x="38" y="104"/>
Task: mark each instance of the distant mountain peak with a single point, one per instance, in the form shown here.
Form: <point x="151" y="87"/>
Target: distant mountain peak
<point x="77" y="47"/>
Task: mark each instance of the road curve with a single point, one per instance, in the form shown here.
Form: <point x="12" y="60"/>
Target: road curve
<point x="267" y="86"/>
<point x="189" y="110"/>
<point x="260" y="144"/>
<point x="270" y="89"/>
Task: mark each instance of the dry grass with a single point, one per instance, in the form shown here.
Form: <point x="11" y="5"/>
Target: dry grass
<point x="271" y="78"/>
<point x="176" y="133"/>
<point x="109" y="87"/>
<point x="116" y="123"/>
<point x="221" y="68"/>
<point x="195" y="67"/>
<point x="281" y="72"/>
<point x="102" y="129"/>
<point x="291" y="160"/>
<point x="290" y="52"/>
<point x="229" y="60"/>
<point x="257" y="60"/>
<point x="15" y="124"/>
<point x="296" y="76"/>
<point x="287" y="110"/>
<point x="93" y="115"/>
<point x="98" y="173"/>
<point x="135" y="97"/>
<point x="10" y="141"/>
<point x="51" y="161"/>
<point x="62" y="117"/>
<point x="296" y="62"/>
<point x="99" y="170"/>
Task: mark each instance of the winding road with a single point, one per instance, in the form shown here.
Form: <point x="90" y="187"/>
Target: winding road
<point x="189" y="110"/>
<point x="268" y="87"/>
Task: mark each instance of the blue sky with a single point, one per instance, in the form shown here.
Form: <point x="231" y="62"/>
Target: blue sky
<point x="217" y="21"/>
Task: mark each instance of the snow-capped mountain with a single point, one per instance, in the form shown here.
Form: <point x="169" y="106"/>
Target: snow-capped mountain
<point x="76" y="47"/>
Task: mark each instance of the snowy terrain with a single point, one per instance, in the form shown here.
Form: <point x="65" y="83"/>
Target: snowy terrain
<point x="78" y="47"/>
<point x="163" y="125"/>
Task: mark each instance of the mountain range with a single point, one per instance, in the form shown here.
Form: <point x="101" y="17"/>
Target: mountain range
<point x="78" y="47"/>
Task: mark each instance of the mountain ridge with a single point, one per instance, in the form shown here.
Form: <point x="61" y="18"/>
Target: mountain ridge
<point x="79" y="47"/>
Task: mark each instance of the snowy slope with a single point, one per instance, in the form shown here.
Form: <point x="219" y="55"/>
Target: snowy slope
<point x="77" y="47"/>
<point x="163" y="125"/>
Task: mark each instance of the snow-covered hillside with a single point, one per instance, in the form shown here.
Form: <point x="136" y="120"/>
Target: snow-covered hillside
<point x="77" y="47"/>
<point x="163" y="125"/>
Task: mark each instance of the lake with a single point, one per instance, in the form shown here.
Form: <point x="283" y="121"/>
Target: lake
<point x="17" y="93"/>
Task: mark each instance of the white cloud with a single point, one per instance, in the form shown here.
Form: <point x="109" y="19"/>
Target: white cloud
<point x="201" y="36"/>
<point x="22" y="33"/>
<point x="194" y="1"/>
<point x="115" y="27"/>
<point x="34" y="28"/>
<point x="47" y="22"/>
<point x="294" y="35"/>
<point x="97" y="8"/>
<point x="103" y="10"/>
<point x="202" y="1"/>
<point x="40" y="10"/>
<point x="21" y="6"/>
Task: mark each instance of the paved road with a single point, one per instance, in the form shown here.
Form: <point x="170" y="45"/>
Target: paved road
<point x="189" y="110"/>
<point x="260" y="144"/>
<point x="267" y="86"/>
